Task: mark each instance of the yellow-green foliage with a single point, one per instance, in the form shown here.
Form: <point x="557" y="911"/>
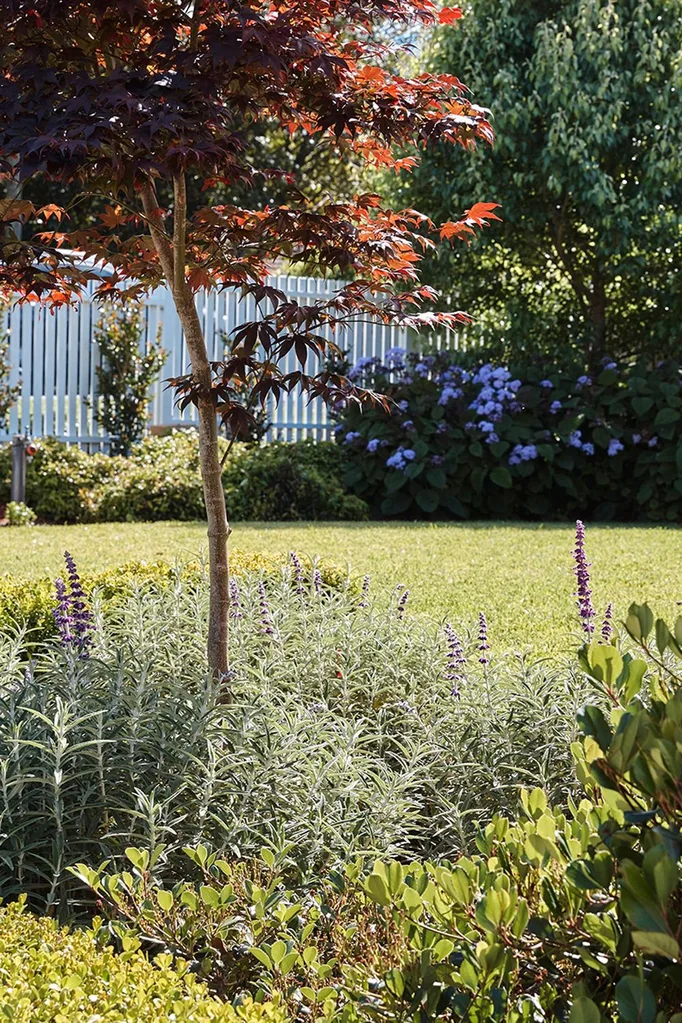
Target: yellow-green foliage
<point x="30" y="603"/>
<point x="53" y="975"/>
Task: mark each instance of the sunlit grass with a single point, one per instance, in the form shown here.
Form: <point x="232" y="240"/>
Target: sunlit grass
<point x="519" y="574"/>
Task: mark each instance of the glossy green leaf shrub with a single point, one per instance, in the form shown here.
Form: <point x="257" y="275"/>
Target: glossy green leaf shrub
<point x="55" y="975"/>
<point x="469" y="440"/>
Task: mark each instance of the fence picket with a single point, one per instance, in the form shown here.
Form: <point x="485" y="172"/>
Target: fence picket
<point x="54" y="358"/>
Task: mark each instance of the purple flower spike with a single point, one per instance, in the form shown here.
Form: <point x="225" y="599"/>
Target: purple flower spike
<point x="607" y="624"/>
<point x="483" y="645"/>
<point x="62" y="614"/>
<point x="402" y="604"/>
<point x="267" y="626"/>
<point x="317" y="580"/>
<point x="456" y="662"/>
<point x="583" y="594"/>
<point x="73" y="618"/>
<point x="235" y="602"/>
<point x="364" y="594"/>
<point x="298" y="572"/>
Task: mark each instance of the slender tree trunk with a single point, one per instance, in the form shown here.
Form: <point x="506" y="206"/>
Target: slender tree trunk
<point x="172" y="258"/>
<point x="598" y="316"/>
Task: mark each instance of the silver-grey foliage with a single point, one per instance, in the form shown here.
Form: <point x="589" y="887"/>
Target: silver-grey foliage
<point x="343" y="736"/>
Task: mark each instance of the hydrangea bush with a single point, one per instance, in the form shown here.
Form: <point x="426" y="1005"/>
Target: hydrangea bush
<point x="465" y="438"/>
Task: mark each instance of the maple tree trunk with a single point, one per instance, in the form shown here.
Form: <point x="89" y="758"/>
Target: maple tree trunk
<point x="172" y="258"/>
<point x="214" y="495"/>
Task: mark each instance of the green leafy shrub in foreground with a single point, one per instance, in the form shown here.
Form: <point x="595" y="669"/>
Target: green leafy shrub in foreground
<point x="160" y="480"/>
<point x="53" y="975"/>
<point x="565" y="915"/>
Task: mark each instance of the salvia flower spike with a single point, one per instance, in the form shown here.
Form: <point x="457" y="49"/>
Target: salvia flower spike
<point x="455" y="666"/>
<point x="607" y="624"/>
<point x="483" y="645"/>
<point x="583" y="593"/>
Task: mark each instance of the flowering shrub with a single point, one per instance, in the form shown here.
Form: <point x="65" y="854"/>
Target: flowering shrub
<point x="468" y="439"/>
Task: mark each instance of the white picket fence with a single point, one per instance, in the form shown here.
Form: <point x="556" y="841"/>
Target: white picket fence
<point x="53" y="358"/>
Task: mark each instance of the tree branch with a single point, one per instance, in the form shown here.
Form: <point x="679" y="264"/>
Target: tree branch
<point x="179" y="229"/>
<point x="150" y="205"/>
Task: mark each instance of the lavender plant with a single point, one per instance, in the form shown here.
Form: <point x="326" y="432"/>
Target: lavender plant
<point x="345" y="735"/>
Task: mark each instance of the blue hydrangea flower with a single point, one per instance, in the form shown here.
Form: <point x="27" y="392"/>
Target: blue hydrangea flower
<point x="409" y="426"/>
<point x="575" y="439"/>
<point x="587" y="448"/>
<point x="403" y="405"/>
<point x="610" y="365"/>
<point x="523" y="453"/>
<point x="555" y="407"/>
<point x="437" y="460"/>
<point x="636" y="438"/>
<point x="372" y="445"/>
<point x="492" y="438"/>
<point x="486" y="427"/>
<point x="653" y="442"/>
<point x="547" y="384"/>
<point x="583" y="381"/>
<point x="449" y="393"/>
<point x="614" y="447"/>
<point x="400" y="458"/>
<point x="442" y="427"/>
<point x="361" y="366"/>
<point x="352" y="436"/>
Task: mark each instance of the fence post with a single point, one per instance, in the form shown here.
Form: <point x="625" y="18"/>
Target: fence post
<point x="19" y="444"/>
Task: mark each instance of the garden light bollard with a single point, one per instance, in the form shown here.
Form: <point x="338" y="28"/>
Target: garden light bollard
<point x="22" y="447"/>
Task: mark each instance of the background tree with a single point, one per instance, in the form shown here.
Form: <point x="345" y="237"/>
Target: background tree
<point x="128" y="101"/>
<point x="587" y="167"/>
<point x="125" y="375"/>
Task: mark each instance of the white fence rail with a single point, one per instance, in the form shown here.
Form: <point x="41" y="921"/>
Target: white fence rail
<point x="53" y="357"/>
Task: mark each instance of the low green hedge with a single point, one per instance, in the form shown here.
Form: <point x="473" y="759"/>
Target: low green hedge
<point x="55" y="975"/>
<point x="161" y="481"/>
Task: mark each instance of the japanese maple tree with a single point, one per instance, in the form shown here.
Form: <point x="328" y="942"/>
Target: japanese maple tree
<point x="127" y="101"/>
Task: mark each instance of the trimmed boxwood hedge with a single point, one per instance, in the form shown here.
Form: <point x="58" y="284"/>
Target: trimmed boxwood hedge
<point x="50" y="974"/>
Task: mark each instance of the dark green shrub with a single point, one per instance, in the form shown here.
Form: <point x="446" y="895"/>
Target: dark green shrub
<point x="284" y="482"/>
<point x="470" y="440"/>
<point x="61" y="478"/>
<point x="161" y="480"/>
<point x="54" y="975"/>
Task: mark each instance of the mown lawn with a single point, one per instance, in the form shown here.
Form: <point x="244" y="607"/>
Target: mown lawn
<point x="520" y="575"/>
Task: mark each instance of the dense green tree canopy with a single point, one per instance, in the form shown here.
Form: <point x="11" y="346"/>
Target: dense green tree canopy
<point x="587" y="106"/>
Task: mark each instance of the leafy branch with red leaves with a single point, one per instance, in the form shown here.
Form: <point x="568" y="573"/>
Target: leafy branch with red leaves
<point x="125" y="101"/>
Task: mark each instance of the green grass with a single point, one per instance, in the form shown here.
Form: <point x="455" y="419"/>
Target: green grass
<point x="519" y="574"/>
